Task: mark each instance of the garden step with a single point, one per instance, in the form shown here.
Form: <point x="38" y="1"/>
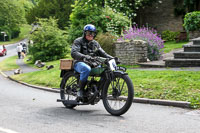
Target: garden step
<point x="187" y="55"/>
<point x="196" y="41"/>
<point x="191" y="48"/>
<point x="182" y="62"/>
<point x="152" y="64"/>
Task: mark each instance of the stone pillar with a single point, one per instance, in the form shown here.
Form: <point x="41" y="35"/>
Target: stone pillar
<point x="131" y="52"/>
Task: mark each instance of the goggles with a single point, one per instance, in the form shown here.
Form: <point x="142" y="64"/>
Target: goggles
<point x="90" y="33"/>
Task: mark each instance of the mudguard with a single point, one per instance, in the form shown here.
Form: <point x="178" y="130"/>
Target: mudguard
<point x="62" y="73"/>
<point x="120" y="72"/>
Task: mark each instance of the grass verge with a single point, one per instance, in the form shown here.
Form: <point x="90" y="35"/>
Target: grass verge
<point x="168" y="85"/>
<point x="9" y="64"/>
<point x="49" y="78"/>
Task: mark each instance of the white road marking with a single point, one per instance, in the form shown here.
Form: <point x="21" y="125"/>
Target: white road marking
<point x="7" y="130"/>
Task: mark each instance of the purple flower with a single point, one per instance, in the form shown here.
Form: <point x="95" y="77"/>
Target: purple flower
<point x="154" y="41"/>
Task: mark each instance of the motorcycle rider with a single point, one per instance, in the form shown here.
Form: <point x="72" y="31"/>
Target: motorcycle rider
<point x="84" y="48"/>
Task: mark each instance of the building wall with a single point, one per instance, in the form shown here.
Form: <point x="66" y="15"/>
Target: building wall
<point x="161" y="17"/>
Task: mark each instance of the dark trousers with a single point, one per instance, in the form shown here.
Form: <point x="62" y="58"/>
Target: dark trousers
<point x="19" y="55"/>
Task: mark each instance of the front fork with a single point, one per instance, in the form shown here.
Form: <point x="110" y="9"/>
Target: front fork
<point x="117" y="86"/>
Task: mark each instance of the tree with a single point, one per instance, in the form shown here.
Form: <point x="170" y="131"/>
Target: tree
<point x="92" y="12"/>
<point x="191" y="5"/>
<point x="60" y="9"/>
<point x="127" y="7"/>
<point x="26" y="4"/>
<point x="35" y="1"/>
<point x="184" y="6"/>
<point x="11" y="16"/>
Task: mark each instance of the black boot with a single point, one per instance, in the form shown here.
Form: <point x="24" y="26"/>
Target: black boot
<point x="81" y="91"/>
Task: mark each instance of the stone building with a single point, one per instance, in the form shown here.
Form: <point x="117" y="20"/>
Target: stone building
<point x="161" y="17"/>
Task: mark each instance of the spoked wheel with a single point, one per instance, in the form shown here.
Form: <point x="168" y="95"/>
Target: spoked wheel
<point x="118" y="94"/>
<point x="68" y="90"/>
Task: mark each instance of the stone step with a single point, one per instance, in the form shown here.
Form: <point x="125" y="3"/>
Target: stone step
<point x="187" y="55"/>
<point x="182" y="63"/>
<point x="191" y="48"/>
<point x="196" y="41"/>
<point x="152" y="64"/>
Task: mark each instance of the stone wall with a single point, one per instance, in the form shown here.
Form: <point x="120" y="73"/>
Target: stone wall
<point x="131" y="52"/>
<point x="194" y="34"/>
<point x="161" y="17"/>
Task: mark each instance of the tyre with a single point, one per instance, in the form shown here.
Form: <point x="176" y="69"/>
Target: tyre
<point x="118" y="94"/>
<point x="68" y="88"/>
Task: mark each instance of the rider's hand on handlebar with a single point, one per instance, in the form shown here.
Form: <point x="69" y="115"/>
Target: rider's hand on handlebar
<point x="87" y="57"/>
<point x="117" y="60"/>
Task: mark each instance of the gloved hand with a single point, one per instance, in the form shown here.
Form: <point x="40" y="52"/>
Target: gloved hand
<point x="87" y="57"/>
<point x="117" y="60"/>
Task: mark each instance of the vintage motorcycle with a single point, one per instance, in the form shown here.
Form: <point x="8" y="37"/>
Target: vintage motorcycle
<point x="107" y="81"/>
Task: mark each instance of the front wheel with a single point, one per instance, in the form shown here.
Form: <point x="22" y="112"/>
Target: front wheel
<point x="118" y="94"/>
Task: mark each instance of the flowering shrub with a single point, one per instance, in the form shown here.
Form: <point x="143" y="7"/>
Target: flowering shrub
<point x="129" y="7"/>
<point x="154" y="41"/>
<point x="113" y="22"/>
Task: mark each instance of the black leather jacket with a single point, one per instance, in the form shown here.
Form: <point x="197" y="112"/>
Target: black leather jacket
<point x="82" y="47"/>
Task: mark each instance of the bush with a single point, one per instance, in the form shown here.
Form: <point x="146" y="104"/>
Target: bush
<point x="104" y="19"/>
<point x="113" y="22"/>
<point x="154" y="41"/>
<point x="49" y="41"/>
<point x="192" y="21"/>
<point x="106" y="40"/>
<point x="169" y="35"/>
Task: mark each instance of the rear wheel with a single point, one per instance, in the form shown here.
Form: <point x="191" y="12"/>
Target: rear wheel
<point x="118" y="94"/>
<point x="68" y="90"/>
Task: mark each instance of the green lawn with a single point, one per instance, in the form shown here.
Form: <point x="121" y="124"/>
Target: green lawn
<point x="167" y="84"/>
<point x="25" y="29"/>
<point x="169" y="46"/>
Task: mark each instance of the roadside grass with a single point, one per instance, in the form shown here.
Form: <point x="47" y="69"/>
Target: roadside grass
<point x="25" y="30"/>
<point x="171" y="45"/>
<point x="9" y="64"/>
<point x="165" y="84"/>
<point x="47" y="78"/>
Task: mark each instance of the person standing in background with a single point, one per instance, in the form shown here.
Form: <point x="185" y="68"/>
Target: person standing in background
<point x="19" y="50"/>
